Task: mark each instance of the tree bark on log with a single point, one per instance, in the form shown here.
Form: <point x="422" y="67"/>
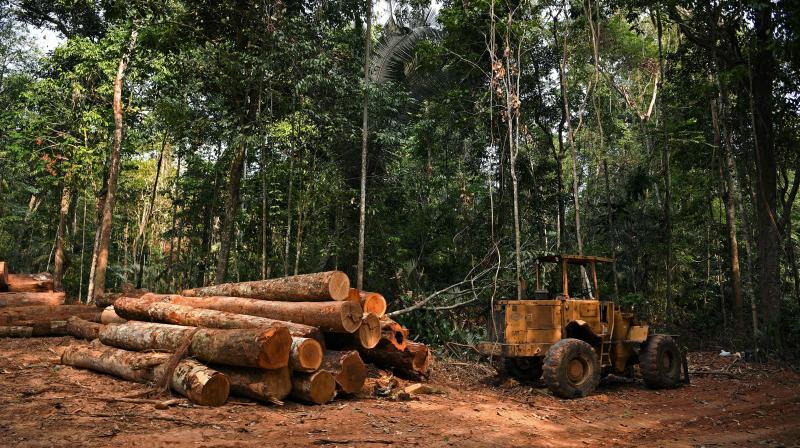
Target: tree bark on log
<point x="127" y="291"/>
<point x="340" y="316"/>
<point x="28" y="315"/>
<point x="306" y="355"/>
<point x="9" y="299"/>
<point x="83" y="329"/>
<point x="347" y="368"/>
<point x="367" y="336"/>
<point x="415" y="360"/>
<point x="321" y="286"/>
<point x="110" y="316"/>
<point x="317" y="387"/>
<point x="35" y="329"/>
<point x="202" y="385"/>
<point x="264" y="348"/>
<point x="42" y="282"/>
<point x="150" y="309"/>
<point x="270" y="385"/>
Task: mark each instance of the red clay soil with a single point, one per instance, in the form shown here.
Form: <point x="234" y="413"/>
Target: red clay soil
<point x="45" y="404"/>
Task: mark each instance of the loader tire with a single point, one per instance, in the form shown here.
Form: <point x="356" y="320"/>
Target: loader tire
<point x="660" y="362"/>
<point x="525" y="368"/>
<point x="571" y="369"/>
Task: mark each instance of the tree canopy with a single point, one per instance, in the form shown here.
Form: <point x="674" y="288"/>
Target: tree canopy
<point x="663" y="134"/>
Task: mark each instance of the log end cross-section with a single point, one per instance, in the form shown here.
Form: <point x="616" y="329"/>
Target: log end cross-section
<point x="306" y="355"/>
<point x="317" y="388"/>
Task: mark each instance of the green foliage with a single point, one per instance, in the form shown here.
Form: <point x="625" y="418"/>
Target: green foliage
<point x="284" y="81"/>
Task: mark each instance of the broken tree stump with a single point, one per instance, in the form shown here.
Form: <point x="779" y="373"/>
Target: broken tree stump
<point x="347" y="368"/>
<point x="265" y="348"/>
<point x="202" y="385"/>
<point x="320" y="286"/>
<point x="8" y="299"/>
<point x="150" y="309"/>
<point x="317" y="387"/>
<point x="270" y="385"/>
<point x="342" y="316"/>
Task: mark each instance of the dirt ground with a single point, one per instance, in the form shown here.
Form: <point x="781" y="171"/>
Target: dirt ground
<point x="45" y="404"/>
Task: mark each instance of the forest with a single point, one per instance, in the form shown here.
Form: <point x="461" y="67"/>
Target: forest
<point x="432" y="150"/>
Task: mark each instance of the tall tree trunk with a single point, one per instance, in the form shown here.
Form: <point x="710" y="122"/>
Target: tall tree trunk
<point x="562" y="213"/>
<point x="149" y="212"/>
<point x="721" y="141"/>
<point x="665" y="161"/>
<point x="264" y="214"/>
<point x="762" y="75"/>
<point x="83" y="247"/>
<point x="362" y="207"/>
<point x="612" y="230"/>
<point x="113" y="172"/>
<point x="174" y="233"/>
<point x="58" y="270"/>
<point x="289" y="196"/>
<point x="231" y="206"/>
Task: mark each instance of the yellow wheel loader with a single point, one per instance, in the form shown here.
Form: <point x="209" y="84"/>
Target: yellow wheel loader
<point x="573" y="341"/>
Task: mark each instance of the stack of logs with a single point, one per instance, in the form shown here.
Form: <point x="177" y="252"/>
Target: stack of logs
<point x="304" y="337"/>
<point x="29" y="307"/>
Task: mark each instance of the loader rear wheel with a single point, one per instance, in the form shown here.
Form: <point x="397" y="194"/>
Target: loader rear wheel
<point x="525" y="368"/>
<point x="571" y="369"/>
<point x="660" y="362"/>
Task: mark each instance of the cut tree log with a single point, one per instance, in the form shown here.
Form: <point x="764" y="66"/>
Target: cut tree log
<point x="347" y="368"/>
<point x="371" y="302"/>
<point x="367" y="336"/>
<point x="150" y="309"/>
<point x="3" y="274"/>
<point x="393" y="333"/>
<point x="414" y="361"/>
<point x="31" y="299"/>
<point x="41" y="282"/>
<point x="251" y="347"/>
<point x="316" y="387"/>
<point x="320" y="286"/>
<point x="202" y="385"/>
<point x="128" y="290"/>
<point x="110" y="316"/>
<point x="83" y="329"/>
<point x="36" y="329"/>
<point x="342" y="316"/>
<point x="306" y="355"/>
<point x="270" y="385"/>
<point x="30" y="315"/>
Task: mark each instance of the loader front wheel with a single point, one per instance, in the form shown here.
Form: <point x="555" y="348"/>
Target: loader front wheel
<point x="571" y="369"/>
<point x="660" y="362"/>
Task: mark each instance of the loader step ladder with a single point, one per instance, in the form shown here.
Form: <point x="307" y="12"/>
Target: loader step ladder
<point x="605" y="344"/>
<point x="605" y="347"/>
